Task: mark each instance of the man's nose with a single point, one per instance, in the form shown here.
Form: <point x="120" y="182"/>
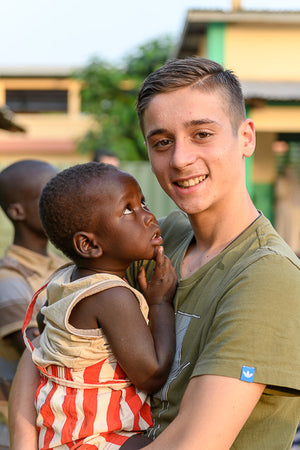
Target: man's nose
<point x="182" y="154"/>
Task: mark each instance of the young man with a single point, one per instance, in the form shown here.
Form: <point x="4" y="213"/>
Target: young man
<point x="235" y="377"/>
<point x="26" y="264"/>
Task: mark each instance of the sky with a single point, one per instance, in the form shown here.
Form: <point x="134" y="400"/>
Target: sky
<point x="68" y="33"/>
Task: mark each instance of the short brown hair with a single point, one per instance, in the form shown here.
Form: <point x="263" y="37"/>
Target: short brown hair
<point x="197" y="72"/>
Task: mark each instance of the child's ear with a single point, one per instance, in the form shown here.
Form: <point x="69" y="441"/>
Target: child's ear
<point x="15" y="212"/>
<point x="86" y="245"/>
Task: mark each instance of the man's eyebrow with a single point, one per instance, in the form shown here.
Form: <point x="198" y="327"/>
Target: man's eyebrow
<point x="156" y="131"/>
<point x="195" y="122"/>
<point x="188" y="124"/>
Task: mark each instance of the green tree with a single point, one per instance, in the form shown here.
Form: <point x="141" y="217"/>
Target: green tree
<point x="109" y="94"/>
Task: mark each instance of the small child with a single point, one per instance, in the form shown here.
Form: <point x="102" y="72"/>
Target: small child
<point x="98" y="357"/>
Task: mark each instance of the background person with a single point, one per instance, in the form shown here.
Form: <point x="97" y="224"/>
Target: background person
<point x="106" y="156"/>
<point x="26" y="265"/>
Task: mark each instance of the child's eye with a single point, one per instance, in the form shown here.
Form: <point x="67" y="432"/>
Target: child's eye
<point x="144" y="205"/>
<point x="127" y="210"/>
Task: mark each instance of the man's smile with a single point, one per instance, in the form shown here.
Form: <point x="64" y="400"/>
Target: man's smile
<point x="190" y="182"/>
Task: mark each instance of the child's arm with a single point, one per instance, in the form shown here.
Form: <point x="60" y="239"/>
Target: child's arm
<point x="144" y="352"/>
<point x="159" y="293"/>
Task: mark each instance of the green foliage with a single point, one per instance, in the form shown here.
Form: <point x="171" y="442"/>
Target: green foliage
<point x="149" y="57"/>
<point x="109" y="94"/>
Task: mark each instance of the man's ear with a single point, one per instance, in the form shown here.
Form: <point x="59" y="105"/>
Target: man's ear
<point x="248" y="137"/>
<point x="16" y="212"/>
<point x="86" y="245"/>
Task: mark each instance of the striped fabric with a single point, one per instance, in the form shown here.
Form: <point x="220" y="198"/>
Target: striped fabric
<point x="90" y="418"/>
<point x="94" y="407"/>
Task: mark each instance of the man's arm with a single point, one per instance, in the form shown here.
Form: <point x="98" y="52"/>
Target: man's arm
<point x="212" y="412"/>
<point x="17" y="341"/>
<point x="21" y="411"/>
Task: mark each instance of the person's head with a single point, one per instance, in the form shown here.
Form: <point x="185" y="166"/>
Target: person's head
<point x="106" y="156"/>
<point x="200" y="74"/>
<point x="192" y="114"/>
<point x="21" y="185"/>
<point x="95" y="211"/>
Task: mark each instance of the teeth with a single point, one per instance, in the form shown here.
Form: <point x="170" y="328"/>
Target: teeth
<point x="191" y="181"/>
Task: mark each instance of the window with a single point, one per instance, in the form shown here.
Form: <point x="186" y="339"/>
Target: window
<point x="37" y="101"/>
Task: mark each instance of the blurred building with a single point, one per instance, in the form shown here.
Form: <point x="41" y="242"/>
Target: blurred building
<point x="262" y="48"/>
<point x="47" y="107"/>
<point x="41" y="118"/>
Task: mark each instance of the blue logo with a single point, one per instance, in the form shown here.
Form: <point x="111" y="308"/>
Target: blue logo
<point x="247" y="374"/>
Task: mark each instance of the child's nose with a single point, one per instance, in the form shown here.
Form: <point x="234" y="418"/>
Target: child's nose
<point x="148" y="217"/>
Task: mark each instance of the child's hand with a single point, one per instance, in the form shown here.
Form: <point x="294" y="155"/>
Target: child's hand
<point x="162" y="287"/>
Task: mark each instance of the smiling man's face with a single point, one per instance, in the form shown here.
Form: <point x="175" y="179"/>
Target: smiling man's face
<point x="195" y="154"/>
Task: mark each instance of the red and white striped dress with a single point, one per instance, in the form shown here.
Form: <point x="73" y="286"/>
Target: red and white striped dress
<point x="84" y="399"/>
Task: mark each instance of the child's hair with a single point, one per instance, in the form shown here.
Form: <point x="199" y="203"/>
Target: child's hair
<point x="65" y="206"/>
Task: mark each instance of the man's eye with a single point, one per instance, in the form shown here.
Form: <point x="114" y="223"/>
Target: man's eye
<point x="164" y="142"/>
<point x="203" y="134"/>
<point x="127" y="210"/>
<point x="161" y="144"/>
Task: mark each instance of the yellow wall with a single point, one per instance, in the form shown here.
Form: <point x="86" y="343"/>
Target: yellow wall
<point x="52" y="126"/>
<point x="279" y="119"/>
<point x="72" y="86"/>
<point x="269" y="121"/>
<point x="62" y="161"/>
<point x="264" y="167"/>
<point x="263" y="52"/>
<point x="266" y="52"/>
<point x="49" y="136"/>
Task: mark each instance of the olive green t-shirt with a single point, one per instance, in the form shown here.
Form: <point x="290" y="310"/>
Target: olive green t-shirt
<point x="237" y="316"/>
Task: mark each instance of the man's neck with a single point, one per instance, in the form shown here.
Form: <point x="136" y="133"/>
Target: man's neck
<point x="213" y="233"/>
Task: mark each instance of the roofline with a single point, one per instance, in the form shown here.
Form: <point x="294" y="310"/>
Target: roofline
<point x="197" y="21"/>
<point x="36" y="71"/>
<point x="271" y="90"/>
<point x="243" y="16"/>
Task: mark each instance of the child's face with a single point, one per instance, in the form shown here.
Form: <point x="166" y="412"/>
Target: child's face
<point x="122" y="222"/>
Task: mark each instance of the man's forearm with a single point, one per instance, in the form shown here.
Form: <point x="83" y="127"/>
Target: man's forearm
<point x="22" y="413"/>
<point x="213" y="411"/>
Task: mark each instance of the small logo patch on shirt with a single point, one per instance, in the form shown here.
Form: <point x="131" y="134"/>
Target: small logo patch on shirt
<point x="247" y="374"/>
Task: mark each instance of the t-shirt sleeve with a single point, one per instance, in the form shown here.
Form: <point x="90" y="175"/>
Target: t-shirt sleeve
<point x="255" y="334"/>
<point x="15" y="296"/>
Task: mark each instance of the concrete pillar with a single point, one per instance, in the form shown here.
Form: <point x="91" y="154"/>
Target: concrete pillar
<point x="236" y="5"/>
<point x="2" y="94"/>
<point x="74" y="101"/>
